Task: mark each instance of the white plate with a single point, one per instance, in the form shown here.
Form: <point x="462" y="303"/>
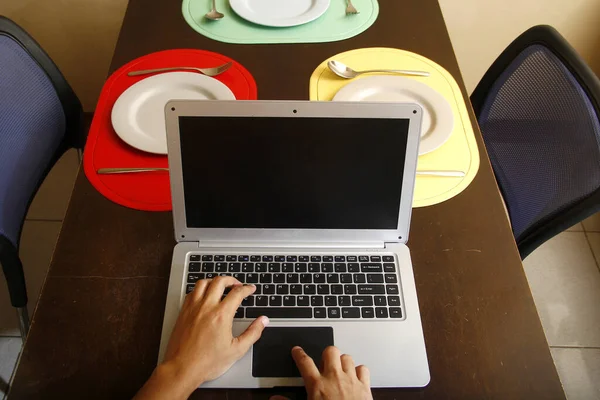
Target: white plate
<point x="279" y="13"/>
<point x="138" y="115"/>
<point x="438" y="120"/>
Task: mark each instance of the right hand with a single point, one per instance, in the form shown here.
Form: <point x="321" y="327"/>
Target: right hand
<point x="338" y="378"/>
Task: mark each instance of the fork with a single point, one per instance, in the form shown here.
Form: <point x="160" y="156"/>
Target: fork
<point x="350" y="9"/>
<point x="206" y="71"/>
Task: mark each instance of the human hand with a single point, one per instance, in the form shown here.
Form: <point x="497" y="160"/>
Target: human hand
<point x="337" y="379"/>
<point x="202" y="346"/>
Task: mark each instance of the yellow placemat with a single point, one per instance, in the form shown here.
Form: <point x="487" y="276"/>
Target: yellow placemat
<point x="459" y="153"/>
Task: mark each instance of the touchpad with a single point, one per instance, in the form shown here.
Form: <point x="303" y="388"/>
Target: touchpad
<point x="272" y="354"/>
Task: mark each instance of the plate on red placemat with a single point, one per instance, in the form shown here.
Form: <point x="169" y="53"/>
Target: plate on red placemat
<point x="105" y="149"/>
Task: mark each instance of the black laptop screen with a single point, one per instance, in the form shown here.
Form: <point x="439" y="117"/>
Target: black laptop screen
<point x="305" y="173"/>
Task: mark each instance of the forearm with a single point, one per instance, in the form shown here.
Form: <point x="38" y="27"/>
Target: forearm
<point x="166" y="383"/>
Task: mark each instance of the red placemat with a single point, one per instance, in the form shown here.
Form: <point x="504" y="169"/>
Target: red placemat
<point x="104" y="149"/>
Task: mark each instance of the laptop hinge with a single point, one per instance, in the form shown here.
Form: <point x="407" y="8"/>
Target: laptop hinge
<point x="272" y="244"/>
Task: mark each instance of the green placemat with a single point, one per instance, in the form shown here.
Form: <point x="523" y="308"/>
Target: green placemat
<point x="332" y="26"/>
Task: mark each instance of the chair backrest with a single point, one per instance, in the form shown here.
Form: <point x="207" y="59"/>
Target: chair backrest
<point x="40" y="117"/>
<point x="538" y="110"/>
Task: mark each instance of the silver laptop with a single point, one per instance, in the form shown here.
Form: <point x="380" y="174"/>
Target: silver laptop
<point x="310" y="201"/>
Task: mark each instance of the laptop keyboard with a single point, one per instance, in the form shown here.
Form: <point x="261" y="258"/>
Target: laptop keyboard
<point x="308" y="286"/>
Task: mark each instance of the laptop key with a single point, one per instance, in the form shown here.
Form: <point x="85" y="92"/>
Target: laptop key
<point x="314" y="267"/>
<point x="258" y="289"/>
<point x="293" y="278"/>
<point x="195" y="257"/>
<point x="291" y="258"/>
<point x="280" y="258"/>
<point x="221" y="267"/>
<point x="391" y="278"/>
<point x="381" y="312"/>
<point x="340" y="267"/>
<point x="235" y="267"/>
<point x="243" y="258"/>
<point x="327" y="258"/>
<point x="287" y="267"/>
<point x="392" y="289"/>
<point x="380" y="301"/>
<point x="248" y="301"/>
<point x="266" y="278"/>
<point x="189" y="288"/>
<point x="240" y="277"/>
<point x="282" y="288"/>
<point x="351" y="258"/>
<point x="251" y="278"/>
<point x="340" y="258"/>
<point x="281" y="312"/>
<point x="333" y="312"/>
<point x="376" y="258"/>
<point x="303" y="300"/>
<point x="268" y="289"/>
<point x="353" y="267"/>
<point x="260" y="267"/>
<point x="267" y="258"/>
<point x="316" y="301"/>
<point x="363" y="258"/>
<point x="371" y="267"/>
<point x="301" y="267"/>
<point x="320" y="312"/>
<point x="388" y="267"/>
<point x="211" y="275"/>
<point x="275" y="301"/>
<point x="371" y="289"/>
<point x="395" y="312"/>
<point x="374" y="278"/>
<point x="303" y="258"/>
<point x="225" y="274"/>
<point x="333" y="278"/>
<point x="306" y="278"/>
<point x="360" y="278"/>
<point x="394" y="300"/>
<point x="231" y="258"/>
<point x="319" y="278"/>
<point x="350" y="312"/>
<point x="289" y="301"/>
<point x="255" y="258"/>
<point x="349" y="289"/>
<point x="337" y="289"/>
<point x="274" y="267"/>
<point x="193" y="278"/>
<point x="388" y="258"/>
<point x="367" y="312"/>
<point x="323" y="289"/>
<point x="208" y="267"/>
<point x="278" y="278"/>
<point x="346" y="278"/>
<point x="327" y="267"/>
<point x="239" y="313"/>
<point x="362" y="301"/>
<point x="296" y="289"/>
<point x="344" y="300"/>
<point x="207" y="258"/>
<point x="310" y="289"/>
<point x="247" y="267"/>
<point x="315" y="258"/>
<point x="262" y="300"/>
<point x="194" y="267"/>
<point x="330" y="301"/>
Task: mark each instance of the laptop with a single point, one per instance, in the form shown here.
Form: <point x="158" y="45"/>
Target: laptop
<point x="311" y="202"/>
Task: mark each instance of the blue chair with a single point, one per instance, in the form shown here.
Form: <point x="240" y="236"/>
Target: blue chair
<point x="40" y="118"/>
<point x="538" y="108"/>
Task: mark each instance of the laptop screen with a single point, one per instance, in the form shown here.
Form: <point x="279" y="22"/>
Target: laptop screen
<point x="292" y="173"/>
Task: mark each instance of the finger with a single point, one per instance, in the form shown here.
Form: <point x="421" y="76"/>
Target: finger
<point x="234" y="298"/>
<point x="363" y="375"/>
<point x="217" y="288"/>
<point x="251" y="334"/>
<point x="199" y="290"/>
<point x="348" y="365"/>
<point x="305" y="364"/>
<point x="331" y="359"/>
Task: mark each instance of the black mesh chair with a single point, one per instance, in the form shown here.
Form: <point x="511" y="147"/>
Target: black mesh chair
<point x="40" y="118"/>
<point x="538" y="108"/>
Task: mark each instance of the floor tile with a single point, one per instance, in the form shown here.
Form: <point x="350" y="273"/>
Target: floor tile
<point x="578" y="227"/>
<point x="565" y="283"/>
<point x="52" y="200"/>
<point x="9" y="353"/>
<point x="592" y="224"/>
<point x="579" y="371"/>
<point x="594" y="239"/>
<point x="37" y="246"/>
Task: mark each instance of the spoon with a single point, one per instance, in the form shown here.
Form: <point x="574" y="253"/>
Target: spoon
<point x="214" y="14"/>
<point x="341" y="69"/>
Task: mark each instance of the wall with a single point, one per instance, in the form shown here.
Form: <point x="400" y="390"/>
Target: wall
<point x="481" y="29"/>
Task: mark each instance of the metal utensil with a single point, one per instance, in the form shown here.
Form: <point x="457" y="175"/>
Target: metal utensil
<point x="106" y="171"/>
<point x="350" y="9"/>
<point x="206" y="71"/>
<point x="214" y="14"/>
<point x="342" y="70"/>
<point x="458" y="174"/>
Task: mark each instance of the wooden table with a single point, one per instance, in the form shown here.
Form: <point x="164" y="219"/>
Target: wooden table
<point x="97" y="327"/>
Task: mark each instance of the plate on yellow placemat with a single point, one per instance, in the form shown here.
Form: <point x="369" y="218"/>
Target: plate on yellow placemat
<point x="458" y="153"/>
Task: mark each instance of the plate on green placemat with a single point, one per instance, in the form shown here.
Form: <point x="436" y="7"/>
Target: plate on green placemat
<point x="277" y="13"/>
